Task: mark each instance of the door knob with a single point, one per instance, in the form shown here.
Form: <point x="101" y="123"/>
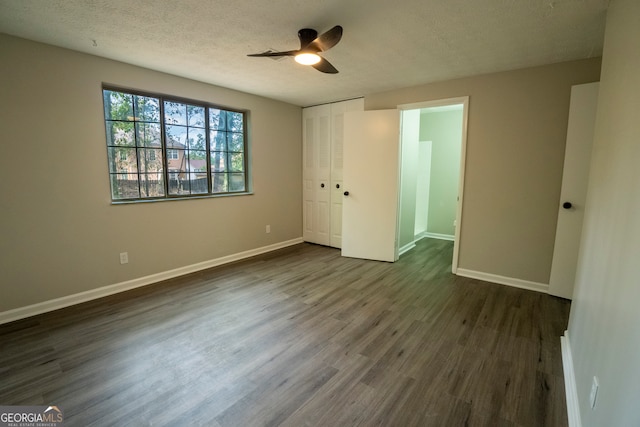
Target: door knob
<point x="567" y="205"/>
<point x="337" y="185"/>
<point x="346" y="193"/>
<point x="322" y="185"/>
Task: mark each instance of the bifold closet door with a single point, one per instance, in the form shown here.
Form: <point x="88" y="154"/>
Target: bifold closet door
<point x="316" y="130"/>
<point x="338" y="110"/>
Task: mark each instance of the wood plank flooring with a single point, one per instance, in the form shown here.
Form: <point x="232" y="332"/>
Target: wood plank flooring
<point x="298" y="337"/>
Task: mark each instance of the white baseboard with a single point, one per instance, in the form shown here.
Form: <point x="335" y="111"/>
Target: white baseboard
<point x="420" y="236"/>
<point x="406" y="248"/>
<point x="66" y="301"/>
<point x="437" y="236"/>
<point x="502" y="280"/>
<point x="570" y="388"/>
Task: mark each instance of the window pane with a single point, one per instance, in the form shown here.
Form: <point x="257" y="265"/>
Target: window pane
<point x="236" y="162"/>
<point x="117" y="105"/>
<point x="197" y="139"/>
<point x="196" y="116"/>
<point x="124" y="186"/>
<point x="236" y="182"/>
<point x="175" y="113"/>
<point x="177" y="164"/>
<point x="234" y="121"/>
<point x="177" y="160"/>
<point x="122" y="160"/>
<point x="178" y="183"/>
<point x="147" y="109"/>
<point x="219" y="183"/>
<point x="218" y="161"/>
<point x="172" y="182"/>
<point x="148" y="135"/>
<point x="198" y="161"/>
<point x="199" y="183"/>
<point x="217" y="119"/>
<point x="236" y="142"/>
<point x="150" y="160"/>
<point x="176" y="136"/>
<point x="218" y="140"/>
<point x="152" y="185"/>
<point x="120" y="133"/>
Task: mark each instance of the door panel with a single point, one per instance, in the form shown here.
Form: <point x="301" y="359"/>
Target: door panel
<point x="337" y="164"/>
<point x="309" y="170"/>
<point x="316" y="171"/>
<point x="575" y="176"/>
<point x="369" y="212"/>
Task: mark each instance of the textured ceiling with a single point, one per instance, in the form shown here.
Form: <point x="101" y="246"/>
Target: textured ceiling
<point x="386" y="44"/>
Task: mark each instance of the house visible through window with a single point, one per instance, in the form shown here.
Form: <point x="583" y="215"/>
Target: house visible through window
<point x="160" y="148"/>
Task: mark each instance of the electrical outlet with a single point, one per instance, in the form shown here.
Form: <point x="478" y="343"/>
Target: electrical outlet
<point x="594" y="392"/>
<point x="267" y="229"/>
<point x="124" y="257"/>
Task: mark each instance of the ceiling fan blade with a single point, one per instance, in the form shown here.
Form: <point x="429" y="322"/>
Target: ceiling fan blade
<point x="325" y="66"/>
<point x="270" y="53"/>
<point x="326" y="40"/>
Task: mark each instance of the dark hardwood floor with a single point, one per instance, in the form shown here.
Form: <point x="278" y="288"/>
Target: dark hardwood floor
<point x="298" y="337"/>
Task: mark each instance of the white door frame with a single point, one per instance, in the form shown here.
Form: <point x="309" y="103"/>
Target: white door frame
<point x="464" y="100"/>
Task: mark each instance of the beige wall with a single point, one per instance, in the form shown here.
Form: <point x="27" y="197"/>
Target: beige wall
<point x="604" y="325"/>
<point x="515" y="149"/>
<point x="60" y="235"/>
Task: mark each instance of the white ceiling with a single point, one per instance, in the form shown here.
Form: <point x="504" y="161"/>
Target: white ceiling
<point x="386" y="44"/>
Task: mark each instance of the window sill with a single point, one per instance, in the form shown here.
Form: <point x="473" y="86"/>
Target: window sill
<point x="171" y="199"/>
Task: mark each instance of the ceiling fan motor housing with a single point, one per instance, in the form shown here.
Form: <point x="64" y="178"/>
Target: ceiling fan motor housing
<point x="306" y="36"/>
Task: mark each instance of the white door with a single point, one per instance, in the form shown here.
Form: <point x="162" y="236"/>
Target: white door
<point x="337" y="163"/>
<point x="370" y="201"/>
<point x="316" y="174"/>
<point x="577" y="159"/>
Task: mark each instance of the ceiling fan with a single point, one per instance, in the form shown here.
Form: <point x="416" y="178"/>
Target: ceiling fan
<point x="310" y="45"/>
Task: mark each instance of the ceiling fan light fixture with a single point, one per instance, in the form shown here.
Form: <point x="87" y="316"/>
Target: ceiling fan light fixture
<point x="311" y="44"/>
<point x="307" y="58"/>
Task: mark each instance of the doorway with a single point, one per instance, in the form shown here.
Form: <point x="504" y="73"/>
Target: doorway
<point x="432" y="147"/>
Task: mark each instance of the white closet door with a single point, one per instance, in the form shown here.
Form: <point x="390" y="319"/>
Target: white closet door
<point x="316" y="173"/>
<point x="308" y="174"/>
<point x="337" y="161"/>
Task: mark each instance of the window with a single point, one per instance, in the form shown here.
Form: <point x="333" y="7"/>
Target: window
<point x="160" y="147"/>
<point x="172" y="154"/>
